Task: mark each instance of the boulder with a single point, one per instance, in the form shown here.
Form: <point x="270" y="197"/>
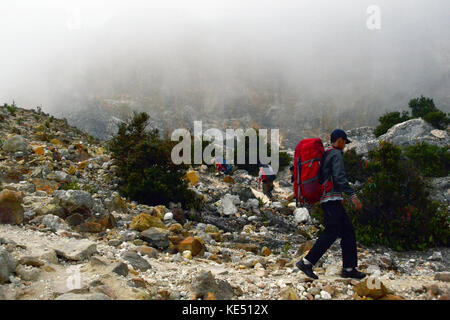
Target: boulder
<point x="31" y="261"/>
<point x="53" y="222"/>
<point x="28" y="273"/>
<point x="76" y="250"/>
<point x="205" y="283"/>
<point x="15" y="143"/>
<point x="244" y="192"/>
<point x="74" y="201"/>
<point x="442" y="276"/>
<point x="7" y="265"/>
<point x="50" y="208"/>
<point x="413" y="131"/>
<point x="116" y="203"/>
<point x="89" y="227"/>
<point x="120" y="268"/>
<point x="363" y="140"/>
<point x="194" y="245"/>
<point x="440" y="189"/>
<point x="136" y="261"/>
<point x="156" y="237"/>
<point x="148" y="251"/>
<point x="74" y="219"/>
<point x="11" y="210"/>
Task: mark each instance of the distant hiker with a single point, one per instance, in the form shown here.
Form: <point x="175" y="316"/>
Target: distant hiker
<point x="222" y="166"/>
<point x="266" y="176"/>
<point x="332" y="181"/>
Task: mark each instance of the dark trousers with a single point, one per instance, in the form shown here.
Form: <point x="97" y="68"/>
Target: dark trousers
<point x="337" y="225"/>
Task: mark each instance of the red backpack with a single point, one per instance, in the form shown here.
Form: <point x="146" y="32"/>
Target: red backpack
<point x="307" y="161"/>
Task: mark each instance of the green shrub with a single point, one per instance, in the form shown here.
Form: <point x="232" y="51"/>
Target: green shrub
<point x="420" y="107"/>
<point x="433" y="161"/>
<point x="70" y="186"/>
<point x="437" y="119"/>
<point x="91" y="189"/>
<point x="284" y="160"/>
<point x="390" y="119"/>
<point x="354" y="166"/>
<point x="12" y="109"/>
<point x="145" y="168"/>
<point x="397" y="211"/>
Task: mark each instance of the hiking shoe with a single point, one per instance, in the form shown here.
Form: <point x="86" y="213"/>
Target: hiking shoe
<point x="307" y="269"/>
<point x="355" y="274"/>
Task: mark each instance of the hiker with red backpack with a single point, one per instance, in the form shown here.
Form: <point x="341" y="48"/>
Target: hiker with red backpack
<point x="222" y="166"/>
<point x="266" y="176"/>
<point x="319" y="175"/>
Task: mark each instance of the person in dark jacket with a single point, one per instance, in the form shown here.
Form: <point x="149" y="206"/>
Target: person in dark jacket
<point x="337" y="223"/>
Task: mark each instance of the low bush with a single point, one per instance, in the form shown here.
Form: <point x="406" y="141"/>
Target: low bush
<point x="433" y="161"/>
<point x="397" y="211"/>
<point x="145" y="168"/>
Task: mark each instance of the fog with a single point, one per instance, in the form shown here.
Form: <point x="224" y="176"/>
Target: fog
<point x="209" y="54"/>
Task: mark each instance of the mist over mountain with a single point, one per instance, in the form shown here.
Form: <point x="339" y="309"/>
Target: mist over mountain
<point x="301" y="66"/>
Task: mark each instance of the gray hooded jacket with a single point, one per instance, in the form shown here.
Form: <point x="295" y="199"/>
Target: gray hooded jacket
<point x="333" y="168"/>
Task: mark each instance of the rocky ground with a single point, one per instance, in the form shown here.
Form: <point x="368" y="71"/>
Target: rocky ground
<point x="65" y="233"/>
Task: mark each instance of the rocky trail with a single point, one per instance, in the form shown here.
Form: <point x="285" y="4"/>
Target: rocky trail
<point x="65" y="233"/>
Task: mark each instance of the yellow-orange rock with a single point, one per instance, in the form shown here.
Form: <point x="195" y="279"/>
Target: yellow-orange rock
<point x="145" y="221"/>
<point x="210" y="296"/>
<point x="56" y="141"/>
<point x="375" y="290"/>
<point x="192" y="244"/>
<point x="228" y="179"/>
<point x="83" y="165"/>
<point x="160" y="211"/>
<point x="108" y="221"/>
<point x="289" y="294"/>
<point x="176" y="227"/>
<point x="72" y="170"/>
<point x="39" y="151"/>
<point x="265" y="251"/>
<point x="192" y="177"/>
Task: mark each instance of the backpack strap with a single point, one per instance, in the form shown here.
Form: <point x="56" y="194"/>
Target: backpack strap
<point x="310" y="162"/>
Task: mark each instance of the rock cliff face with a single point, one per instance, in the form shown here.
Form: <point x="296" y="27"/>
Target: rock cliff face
<point x="402" y="134"/>
<point x="65" y="232"/>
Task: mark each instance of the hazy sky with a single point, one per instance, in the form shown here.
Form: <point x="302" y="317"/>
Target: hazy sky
<point x="53" y="49"/>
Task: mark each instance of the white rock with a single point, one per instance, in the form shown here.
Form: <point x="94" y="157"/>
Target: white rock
<point x="228" y="204"/>
<point x="325" y="295"/>
<point x="441" y="134"/>
<point x="436" y="256"/>
<point x="168" y="216"/>
<point x="301" y="215"/>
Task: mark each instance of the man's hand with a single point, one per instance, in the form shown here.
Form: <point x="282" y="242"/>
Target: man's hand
<point x="356" y="202"/>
